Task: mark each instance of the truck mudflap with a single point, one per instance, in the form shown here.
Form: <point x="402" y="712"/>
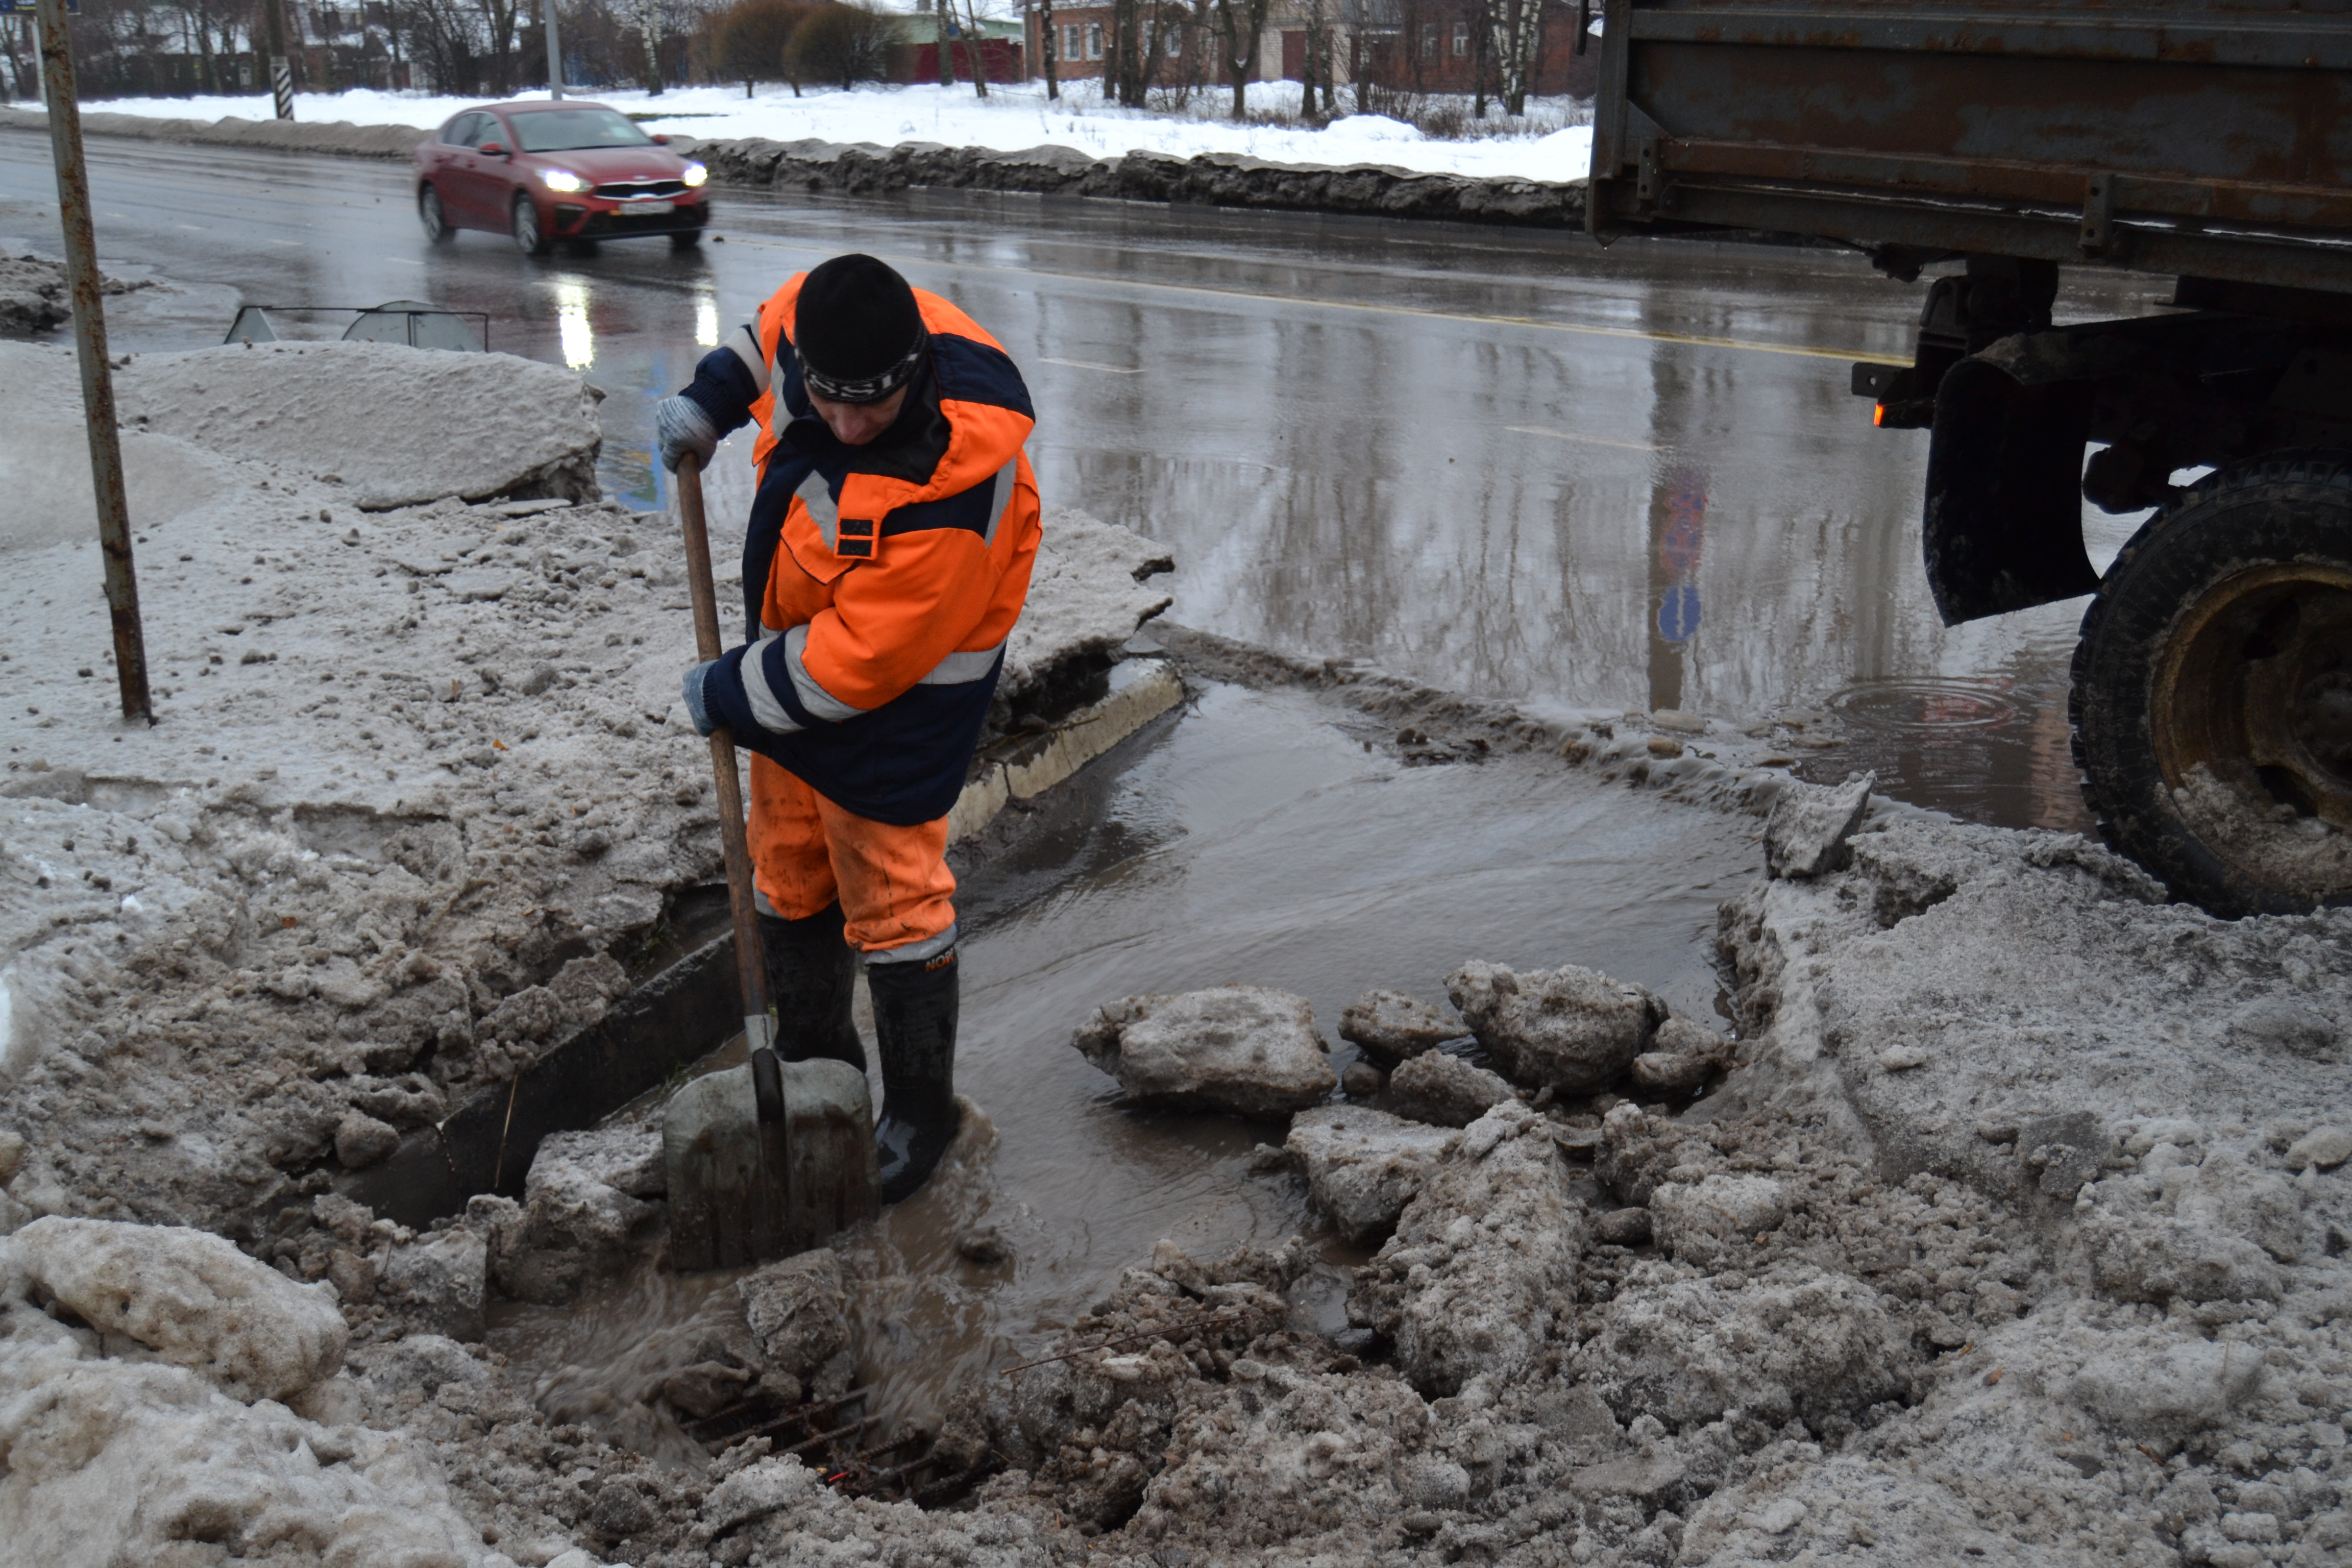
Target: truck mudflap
<point x="2004" y="516"/>
<point x="2006" y="474"/>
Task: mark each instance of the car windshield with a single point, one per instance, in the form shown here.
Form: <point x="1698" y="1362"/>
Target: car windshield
<point x="559" y="130"/>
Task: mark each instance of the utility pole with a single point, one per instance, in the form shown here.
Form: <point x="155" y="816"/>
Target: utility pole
<point x="554" y="56"/>
<point x="97" y="375"/>
<point x="281" y="75"/>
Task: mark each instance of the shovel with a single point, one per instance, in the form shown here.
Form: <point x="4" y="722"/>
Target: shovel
<point x="772" y="1157"/>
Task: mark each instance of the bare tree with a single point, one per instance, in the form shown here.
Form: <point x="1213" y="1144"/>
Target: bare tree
<point x="942" y="16"/>
<point x="1514" y="28"/>
<point x="649" y="38"/>
<point x="976" y="51"/>
<point x="441" y="36"/>
<point x="499" y="21"/>
<point x="1318" y="60"/>
<point x="755" y="38"/>
<point x="842" y="43"/>
<point x="1131" y="52"/>
<point x="1237" y="27"/>
<point x="1047" y="47"/>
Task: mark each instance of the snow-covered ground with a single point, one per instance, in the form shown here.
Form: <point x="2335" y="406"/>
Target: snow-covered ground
<point x="1012" y="117"/>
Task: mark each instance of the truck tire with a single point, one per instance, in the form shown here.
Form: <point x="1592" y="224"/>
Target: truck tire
<point x="2213" y="691"/>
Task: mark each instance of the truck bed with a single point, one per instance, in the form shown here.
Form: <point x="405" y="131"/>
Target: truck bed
<point x="2208" y="141"/>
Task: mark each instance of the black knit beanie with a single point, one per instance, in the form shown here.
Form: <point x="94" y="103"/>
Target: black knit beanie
<point x="857" y="331"/>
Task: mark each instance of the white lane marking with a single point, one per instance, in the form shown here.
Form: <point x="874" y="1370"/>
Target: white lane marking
<point x="1089" y="364"/>
<point x="1582" y="439"/>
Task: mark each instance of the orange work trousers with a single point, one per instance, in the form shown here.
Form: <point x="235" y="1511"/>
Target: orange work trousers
<point x="894" y="883"/>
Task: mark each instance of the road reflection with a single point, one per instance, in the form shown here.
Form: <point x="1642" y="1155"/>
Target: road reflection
<point x="1516" y="464"/>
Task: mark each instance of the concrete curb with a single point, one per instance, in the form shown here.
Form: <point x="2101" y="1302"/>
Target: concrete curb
<point x="1210" y="179"/>
<point x="1144" y="689"/>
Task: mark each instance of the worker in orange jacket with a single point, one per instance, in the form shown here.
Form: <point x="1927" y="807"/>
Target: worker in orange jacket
<point x="889" y="554"/>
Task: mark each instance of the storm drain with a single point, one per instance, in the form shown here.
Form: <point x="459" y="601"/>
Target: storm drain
<point x="831" y="1436"/>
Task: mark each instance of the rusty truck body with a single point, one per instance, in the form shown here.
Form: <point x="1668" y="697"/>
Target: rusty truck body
<point x="1985" y="145"/>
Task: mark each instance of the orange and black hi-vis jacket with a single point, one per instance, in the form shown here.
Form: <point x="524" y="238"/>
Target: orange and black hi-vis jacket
<point x="881" y="581"/>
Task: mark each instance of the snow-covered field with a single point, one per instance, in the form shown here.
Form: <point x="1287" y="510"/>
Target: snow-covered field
<point x="1012" y="117"/>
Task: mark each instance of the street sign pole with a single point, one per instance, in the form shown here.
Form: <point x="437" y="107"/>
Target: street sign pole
<point x="554" y="56"/>
<point x="281" y="75"/>
<point x="97" y="375"/>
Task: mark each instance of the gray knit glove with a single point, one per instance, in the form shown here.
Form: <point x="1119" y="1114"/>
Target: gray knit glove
<point x="682" y="427"/>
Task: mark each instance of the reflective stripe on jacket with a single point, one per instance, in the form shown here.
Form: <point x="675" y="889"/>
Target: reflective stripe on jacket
<point x="881" y="582"/>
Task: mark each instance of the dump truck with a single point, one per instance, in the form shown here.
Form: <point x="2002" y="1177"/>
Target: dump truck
<point x="1980" y="148"/>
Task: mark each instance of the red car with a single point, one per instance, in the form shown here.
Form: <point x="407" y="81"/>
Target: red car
<point x="555" y="171"/>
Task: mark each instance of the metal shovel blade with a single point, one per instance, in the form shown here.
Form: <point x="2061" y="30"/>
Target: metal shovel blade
<point x="743" y="1191"/>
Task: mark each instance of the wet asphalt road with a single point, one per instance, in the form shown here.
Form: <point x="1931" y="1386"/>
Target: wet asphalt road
<point x="1514" y="464"/>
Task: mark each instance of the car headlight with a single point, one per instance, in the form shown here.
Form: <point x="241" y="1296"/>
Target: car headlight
<point x="695" y="174"/>
<point x="562" y="180"/>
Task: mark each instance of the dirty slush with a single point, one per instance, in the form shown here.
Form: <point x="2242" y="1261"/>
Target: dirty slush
<point x="2008" y="1223"/>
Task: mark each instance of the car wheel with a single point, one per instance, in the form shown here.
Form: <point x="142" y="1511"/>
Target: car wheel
<point x="2213" y="701"/>
<point x="524" y="225"/>
<point x="430" y="214"/>
<point x="685" y="239"/>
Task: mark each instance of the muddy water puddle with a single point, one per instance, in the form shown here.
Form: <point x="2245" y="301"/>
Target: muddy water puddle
<point x="1250" y="838"/>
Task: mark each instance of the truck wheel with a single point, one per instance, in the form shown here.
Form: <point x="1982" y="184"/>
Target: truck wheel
<point x="2213" y="698"/>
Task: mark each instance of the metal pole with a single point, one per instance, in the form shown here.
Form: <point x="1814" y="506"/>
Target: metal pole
<point x="97" y="375"/>
<point x="281" y="75"/>
<point x="554" y="56"/>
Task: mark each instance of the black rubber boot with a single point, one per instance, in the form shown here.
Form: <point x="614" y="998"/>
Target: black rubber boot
<point x="812" y="981"/>
<point x="915" y="1025"/>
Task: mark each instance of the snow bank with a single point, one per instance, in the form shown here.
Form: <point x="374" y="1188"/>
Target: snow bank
<point x="1014" y="116"/>
<point x="398" y="428"/>
<point x="187" y="1298"/>
<point x="1087" y="593"/>
<point x="114" y="1459"/>
<point x="419" y="775"/>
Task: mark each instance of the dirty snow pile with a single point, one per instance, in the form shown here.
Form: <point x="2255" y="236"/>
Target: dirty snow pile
<point x="2010" y="1222"/>
<point x="1015" y="115"/>
<point x="419" y="793"/>
<point x="420" y="786"/>
<point x="162" y="1394"/>
<point x="35" y="295"/>
<point x="2016" y="1231"/>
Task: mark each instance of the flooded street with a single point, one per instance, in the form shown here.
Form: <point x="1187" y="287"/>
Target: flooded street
<point x="1252" y="838"/>
<point x="1511" y="464"/>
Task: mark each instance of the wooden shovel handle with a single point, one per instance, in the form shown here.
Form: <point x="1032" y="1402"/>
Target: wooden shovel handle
<point x="733" y="840"/>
